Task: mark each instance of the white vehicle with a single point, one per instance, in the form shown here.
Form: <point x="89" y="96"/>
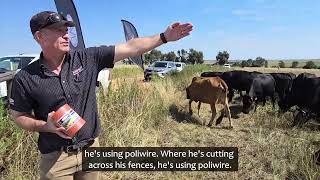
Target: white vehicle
<point x="161" y="68"/>
<point x="17" y="62"/>
<point x="180" y="66"/>
<point x="14" y="63"/>
<point x="227" y="65"/>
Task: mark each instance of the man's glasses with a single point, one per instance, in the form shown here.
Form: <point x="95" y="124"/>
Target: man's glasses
<point x="52" y="19"/>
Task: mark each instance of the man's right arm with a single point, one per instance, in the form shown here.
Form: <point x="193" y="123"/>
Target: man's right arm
<point x="28" y="122"/>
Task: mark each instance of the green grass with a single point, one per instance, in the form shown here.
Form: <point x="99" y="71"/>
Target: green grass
<point x="146" y="114"/>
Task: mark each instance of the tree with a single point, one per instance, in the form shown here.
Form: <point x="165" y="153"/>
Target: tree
<point x="171" y="56"/>
<point x="152" y="56"/>
<point x="237" y="64"/>
<point x="183" y="56"/>
<point x="259" y="62"/>
<point x="281" y="64"/>
<point x="244" y="63"/>
<point x="294" y="64"/>
<point x="249" y="62"/>
<point x="195" y="57"/>
<point x="222" y="57"/>
<point x="310" y="65"/>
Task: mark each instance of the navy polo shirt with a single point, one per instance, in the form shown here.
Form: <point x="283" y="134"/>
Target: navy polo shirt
<point x="38" y="89"/>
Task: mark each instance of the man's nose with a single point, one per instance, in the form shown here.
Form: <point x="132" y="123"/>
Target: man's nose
<point x="66" y="35"/>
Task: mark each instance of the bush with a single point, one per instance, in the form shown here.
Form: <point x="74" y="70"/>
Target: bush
<point x="281" y="64"/>
<point x="294" y="64"/>
<point x="237" y="64"/>
<point x="310" y="65"/>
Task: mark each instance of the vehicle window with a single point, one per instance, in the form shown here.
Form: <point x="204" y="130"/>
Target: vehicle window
<point x="178" y="65"/>
<point x="14" y="63"/>
<point x="172" y="64"/>
<point x="5" y="65"/>
<point x="8" y="64"/>
<point x="160" y="64"/>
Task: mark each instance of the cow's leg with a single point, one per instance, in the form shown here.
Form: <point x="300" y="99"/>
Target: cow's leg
<point x="255" y="104"/>
<point x="230" y="94"/>
<point x="220" y="118"/>
<point x="199" y="105"/>
<point x="264" y="100"/>
<point x="214" y="112"/>
<point x="227" y="110"/>
<point x="273" y="100"/>
<point x="190" y="109"/>
<point x="300" y="118"/>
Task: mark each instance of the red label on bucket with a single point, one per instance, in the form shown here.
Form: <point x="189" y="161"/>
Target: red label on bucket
<point x="69" y="118"/>
<point x="66" y="117"/>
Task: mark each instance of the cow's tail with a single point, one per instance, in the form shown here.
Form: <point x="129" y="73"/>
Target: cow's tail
<point x="188" y="95"/>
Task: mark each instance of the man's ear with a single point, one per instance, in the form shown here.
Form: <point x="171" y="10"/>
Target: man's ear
<point x="38" y="36"/>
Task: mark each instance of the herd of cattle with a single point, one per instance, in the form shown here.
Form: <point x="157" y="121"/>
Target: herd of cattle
<point x="287" y="89"/>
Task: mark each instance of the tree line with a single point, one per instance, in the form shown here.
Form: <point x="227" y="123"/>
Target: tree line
<point x="193" y="56"/>
<point x="223" y="56"/>
<point x="189" y="57"/>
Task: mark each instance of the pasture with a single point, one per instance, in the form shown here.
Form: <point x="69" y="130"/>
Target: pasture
<point x="288" y="63"/>
<point x="151" y="114"/>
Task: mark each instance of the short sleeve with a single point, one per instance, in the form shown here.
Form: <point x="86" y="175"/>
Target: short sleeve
<point x="103" y="56"/>
<point x="20" y="99"/>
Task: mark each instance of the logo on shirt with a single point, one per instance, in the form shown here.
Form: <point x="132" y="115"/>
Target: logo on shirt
<point x="77" y="72"/>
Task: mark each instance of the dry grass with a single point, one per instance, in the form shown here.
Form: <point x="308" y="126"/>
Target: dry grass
<point x="155" y="113"/>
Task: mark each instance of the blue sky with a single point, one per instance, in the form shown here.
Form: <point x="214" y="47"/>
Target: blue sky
<point x="273" y="29"/>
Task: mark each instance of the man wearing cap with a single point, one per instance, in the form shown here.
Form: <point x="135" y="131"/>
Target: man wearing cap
<point x="61" y="77"/>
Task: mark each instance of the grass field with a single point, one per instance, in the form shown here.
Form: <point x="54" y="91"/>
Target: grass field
<point x="275" y="63"/>
<point x="152" y="114"/>
<point x="288" y="63"/>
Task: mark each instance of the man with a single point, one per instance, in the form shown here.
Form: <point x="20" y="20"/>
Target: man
<point x="61" y="77"/>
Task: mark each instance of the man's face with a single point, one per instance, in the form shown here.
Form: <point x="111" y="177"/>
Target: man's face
<point x="55" y="39"/>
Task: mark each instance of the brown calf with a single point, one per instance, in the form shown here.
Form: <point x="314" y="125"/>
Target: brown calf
<point x="209" y="90"/>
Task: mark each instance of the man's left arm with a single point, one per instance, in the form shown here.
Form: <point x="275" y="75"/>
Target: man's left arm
<point x="138" y="46"/>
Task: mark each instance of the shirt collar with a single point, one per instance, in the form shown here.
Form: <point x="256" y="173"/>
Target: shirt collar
<point x="45" y="70"/>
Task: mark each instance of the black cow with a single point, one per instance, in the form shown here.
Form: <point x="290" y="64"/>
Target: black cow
<point x="211" y="74"/>
<point x="305" y="93"/>
<point x="263" y="86"/>
<point x="238" y="80"/>
<point x="283" y="84"/>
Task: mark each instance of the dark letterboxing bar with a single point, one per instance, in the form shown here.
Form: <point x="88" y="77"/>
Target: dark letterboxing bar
<point x="160" y="159"/>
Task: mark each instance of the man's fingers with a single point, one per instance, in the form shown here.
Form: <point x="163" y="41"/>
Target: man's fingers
<point x="186" y="25"/>
<point x="187" y="28"/>
<point x="186" y="31"/>
<point x="61" y="129"/>
<point x="62" y="133"/>
<point x="50" y="115"/>
<point x="184" y="35"/>
<point x="175" y="24"/>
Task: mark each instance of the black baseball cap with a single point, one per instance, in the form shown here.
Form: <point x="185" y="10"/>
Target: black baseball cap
<point x="48" y="19"/>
